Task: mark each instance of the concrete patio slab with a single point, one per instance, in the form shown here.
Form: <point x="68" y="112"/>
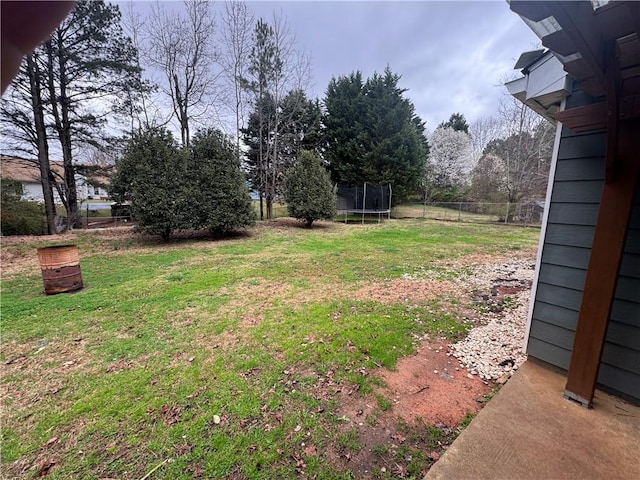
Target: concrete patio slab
<point x="528" y="431"/>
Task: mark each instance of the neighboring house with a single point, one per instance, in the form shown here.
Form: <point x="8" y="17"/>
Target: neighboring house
<point x="92" y="187"/>
<point x="584" y="315"/>
<point x="28" y="174"/>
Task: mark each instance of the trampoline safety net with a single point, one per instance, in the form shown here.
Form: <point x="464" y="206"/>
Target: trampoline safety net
<point x="367" y="197"/>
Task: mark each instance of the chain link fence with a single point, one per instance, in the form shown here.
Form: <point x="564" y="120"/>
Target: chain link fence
<point x="474" y="212"/>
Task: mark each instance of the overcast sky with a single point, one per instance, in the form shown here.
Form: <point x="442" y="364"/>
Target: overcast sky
<point x="451" y="55"/>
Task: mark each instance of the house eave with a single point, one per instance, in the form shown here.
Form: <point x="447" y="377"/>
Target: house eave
<point x="543" y="87"/>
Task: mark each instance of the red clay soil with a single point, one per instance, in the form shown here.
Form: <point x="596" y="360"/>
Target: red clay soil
<point x="432" y="386"/>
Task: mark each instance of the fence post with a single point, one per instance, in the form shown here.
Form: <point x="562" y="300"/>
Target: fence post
<point x="506" y="217"/>
<point x="459" y="211"/>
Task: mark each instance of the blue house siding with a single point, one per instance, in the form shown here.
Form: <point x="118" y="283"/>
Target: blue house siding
<point x="572" y="216"/>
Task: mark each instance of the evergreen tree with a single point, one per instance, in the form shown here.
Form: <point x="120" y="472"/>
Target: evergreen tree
<point x="218" y="187"/>
<point x="457" y="122"/>
<point x="309" y="193"/>
<point x="152" y="176"/>
<point x="257" y="138"/>
<point x="265" y="66"/>
<point x="373" y="134"/>
<point x="299" y="127"/>
<point x="345" y="129"/>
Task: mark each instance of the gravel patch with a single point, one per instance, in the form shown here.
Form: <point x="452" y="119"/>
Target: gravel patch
<point x="493" y="350"/>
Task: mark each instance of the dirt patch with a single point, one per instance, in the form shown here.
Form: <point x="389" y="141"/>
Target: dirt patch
<point x="405" y="290"/>
<point x="265" y="294"/>
<point x="432" y="386"/>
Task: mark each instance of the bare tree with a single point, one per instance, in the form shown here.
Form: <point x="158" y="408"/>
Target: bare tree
<point x="181" y="46"/>
<point x="482" y="131"/>
<point x="141" y="112"/>
<point x="238" y="24"/>
<point x="515" y="165"/>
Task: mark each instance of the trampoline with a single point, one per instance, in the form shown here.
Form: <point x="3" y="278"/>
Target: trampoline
<point x="368" y="199"/>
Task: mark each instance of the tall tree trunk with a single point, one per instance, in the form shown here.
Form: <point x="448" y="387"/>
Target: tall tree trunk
<point x="63" y="128"/>
<point x="43" y="146"/>
<point x="261" y="165"/>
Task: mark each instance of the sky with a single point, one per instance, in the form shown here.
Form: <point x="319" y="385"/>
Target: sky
<point x="451" y="55"/>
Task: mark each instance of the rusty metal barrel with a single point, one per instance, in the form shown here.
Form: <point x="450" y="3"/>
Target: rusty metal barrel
<point x="60" y="269"/>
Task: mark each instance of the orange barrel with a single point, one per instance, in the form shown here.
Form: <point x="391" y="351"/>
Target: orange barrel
<point x="60" y="269"/>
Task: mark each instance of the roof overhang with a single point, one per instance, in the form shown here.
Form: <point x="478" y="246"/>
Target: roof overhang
<point x="544" y="85"/>
<point x="598" y="44"/>
<point x="579" y="34"/>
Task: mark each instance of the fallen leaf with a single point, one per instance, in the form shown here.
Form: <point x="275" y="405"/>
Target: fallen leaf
<point x="311" y="451"/>
<point x="298" y="428"/>
<point x="400" y="471"/>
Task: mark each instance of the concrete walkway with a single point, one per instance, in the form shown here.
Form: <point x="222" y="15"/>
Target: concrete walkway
<point x="528" y="431"/>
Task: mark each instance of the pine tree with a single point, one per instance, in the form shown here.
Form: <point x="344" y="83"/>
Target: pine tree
<point x="457" y="122"/>
<point x="373" y="134"/>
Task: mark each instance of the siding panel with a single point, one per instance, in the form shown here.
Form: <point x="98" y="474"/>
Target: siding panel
<point x="549" y="353"/>
<point x="573" y="257"/>
<point x="628" y="289"/>
<point x="562" y="317"/>
<point x="586" y="145"/>
<point x="579" y="97"/>
<point x="620" y="380"/>
<point x="630" y="265"/>
<point x="577" y="192"/>
<point x="623" y="335"/>
<point x="626" y="312"/>
<point x="620" y="357"/>
<point x="583" y="169"/>
<point x="570" y="235"/>
<point x="560" y="296"/>
<point x="573" y="213"/>
<point x="632" y="245"/>
<point x="562" y="337"/>
<point x="563" y="276"/>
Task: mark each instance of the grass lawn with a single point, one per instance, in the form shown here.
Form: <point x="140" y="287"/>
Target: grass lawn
<point x="221" y="359"/>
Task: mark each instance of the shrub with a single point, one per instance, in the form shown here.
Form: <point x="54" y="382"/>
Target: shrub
<point x="172" y="188"/>
<point x="308" y="190"/>
<point x="218" y="186"/>
<point x="151" y="174"/>
<point x="20" y="217"/>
